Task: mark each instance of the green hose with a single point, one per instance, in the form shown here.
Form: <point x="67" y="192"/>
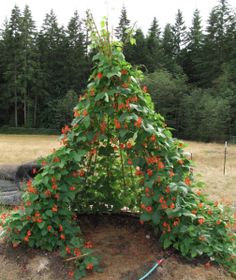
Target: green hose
<point x="152" y="269"/>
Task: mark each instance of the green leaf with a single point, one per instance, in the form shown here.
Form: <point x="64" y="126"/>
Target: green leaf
<point x="77" y="155"/>
<point x="156" y="217"/>
<point x="145" y="217"/>
<point x="86" y="121"/>
<point x="41" y="225"/>
<point x="167" y="243"/>
<point x="49" y="213"/>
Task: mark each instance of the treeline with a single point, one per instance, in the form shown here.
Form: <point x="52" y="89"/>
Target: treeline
<point x="190" y="72"/>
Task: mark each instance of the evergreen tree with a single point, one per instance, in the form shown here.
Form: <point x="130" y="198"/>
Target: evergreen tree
<point x="169" y="59"/>
<point x="27" y="63"/>
<point x="137" y="54"/>
<point x="123" y="26"/>
<point x="11" y="54"/>
<point x="194" y="54"/>
<point x="179" y="32"/>
<point x="216" y="45"/>
<point x="155" y="50"/>
<point x="52" y="47"/>
<point x="76" y="63"/>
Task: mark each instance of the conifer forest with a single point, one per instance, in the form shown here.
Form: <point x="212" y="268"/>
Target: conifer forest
<point x="190" y="72"/>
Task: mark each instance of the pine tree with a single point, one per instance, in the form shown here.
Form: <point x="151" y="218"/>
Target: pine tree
<point x="155" y="50"/>
<point x="52" y="48"/>
<point x="194" y="50"/>
<point x="179" y="32"/>
<point x="137" y="54"/>
<point x="27" y="63"/>
<point x="76" y="63"/>
<point x="123" y="26"/>
<point x="216" y="45"/>
<point x="11" y="51"/>
<point x="169" y="59"/>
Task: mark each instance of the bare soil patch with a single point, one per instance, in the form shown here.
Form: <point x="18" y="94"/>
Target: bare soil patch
<point x="127" y="250"/>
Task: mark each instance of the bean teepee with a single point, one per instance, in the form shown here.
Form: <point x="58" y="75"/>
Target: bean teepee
<point x="118" y="153"/>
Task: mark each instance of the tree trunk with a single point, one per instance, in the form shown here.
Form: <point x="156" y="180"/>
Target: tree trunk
<point x="25" y="108"/>
<point x="15" y="98"/>
<point x="35" y="109"/>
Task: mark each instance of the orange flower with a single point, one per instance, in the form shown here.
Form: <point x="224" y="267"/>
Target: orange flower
<point x="117" y="124"/>
<point x="26" y="239"/>
<point x="172" y="206"/>
<point x="201" y="221"/>
<point x="153" y="138"/>
<point x="202" y="238"/>
<point x="198" y="192"/>
<point x="88" y="244"/>
<point x="200" y="205"/>
<point x="89" y="266"/>
<point x="28" y="233"/>
<point x="54" y="187"/>
<point x="76" y="113"/>
<point x="54" y="208"/>
<point x="124" y="72"/>
<point x="92" y="92"/>
<point x="129" y="145"/>
<point x="216" y="203"/>
<point x="218" y="222"/>
<point x="122" y="146"/>
<point x="60" y="228"/>
<point x="34" y="171"/>
<point x="103" y="126"/>
<point x="72" y="188"/>
<point x="165" y="224"/>
<point x="187" y="181"/>
<point x="209" y="212"/>
<point x="99" y="75"/>
<point x="149" y="209"/>
<point x="145" y="89"/>
<point x="49" y="228"/>
<point x="149" y="172"/>
<point x="28" y="203"/>
<point x="68" y="250"/>
<point x="138" y="122"/>
<point x="47" y="193"/>
<point x="125" y="85"/>
<point x="160" y="165"/>
<point x="71" y="274"/>
<point x="85" y="113"/>
<point x="81" y="173"/>
<point x="65" y="129"/>
<point x="56" y="159"/>
<point x="171" y="173"/>
<point x="62" y="236"/>
<point x="130" y="162"/>
<point x="77" y="252"/>
<point x="208" y="264"/>
<point x="167" y="189"/>
<point x="37" y="214"/>
<point x="180" y="161"/>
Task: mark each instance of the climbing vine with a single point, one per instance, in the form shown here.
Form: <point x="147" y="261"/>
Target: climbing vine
<point x="118" y="152"/>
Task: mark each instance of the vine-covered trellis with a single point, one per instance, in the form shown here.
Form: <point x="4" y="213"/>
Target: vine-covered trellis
<point x="118" y="153"/>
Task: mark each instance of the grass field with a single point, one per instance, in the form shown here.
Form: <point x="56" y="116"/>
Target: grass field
<point x="208" y="158"/>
